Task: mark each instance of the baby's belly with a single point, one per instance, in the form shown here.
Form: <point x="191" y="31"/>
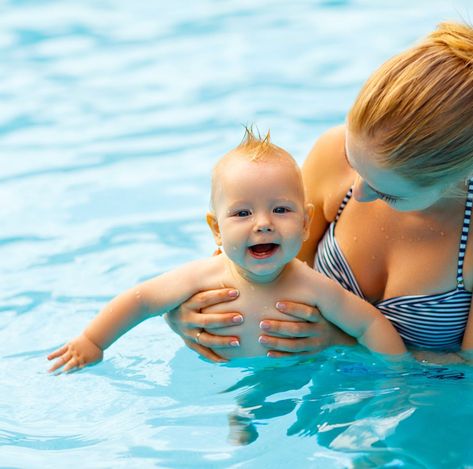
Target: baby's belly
<point x="249" y="333"/>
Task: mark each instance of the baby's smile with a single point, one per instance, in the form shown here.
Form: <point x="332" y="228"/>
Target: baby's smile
<point x="263" y="251"/>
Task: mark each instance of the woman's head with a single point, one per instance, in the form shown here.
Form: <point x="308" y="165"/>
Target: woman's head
<point x="416" y="111"/>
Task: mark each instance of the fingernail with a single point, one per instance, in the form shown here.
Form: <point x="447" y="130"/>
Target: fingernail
<point x="270" y="355"/>
<point x="281" y="306"/>
<point x="233" y="293"/>
<point x="262" y="339"/>
<point x="237" y="319"/>
<point x="264" y="325"/>
<point x="235" y="343"/>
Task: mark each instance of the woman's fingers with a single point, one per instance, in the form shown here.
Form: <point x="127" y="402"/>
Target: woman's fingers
<point x="215" y="341"/>
<point x="211" y="297"/>
<point x="205" y="352"/>
<point x="288" y="345"/>
<point x="301" y="311"/>
<point x="213" y="320"/>
<point x="290" y="328"/>
<point x="276" y="354"/>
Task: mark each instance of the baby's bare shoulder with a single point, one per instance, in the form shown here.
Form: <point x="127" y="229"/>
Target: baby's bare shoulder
<point x="304" y="282"/>
<point x="198" y="275"/>
<point x="207" y="272"/>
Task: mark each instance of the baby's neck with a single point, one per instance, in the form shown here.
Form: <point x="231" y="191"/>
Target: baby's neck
<point x="253" y="278"/>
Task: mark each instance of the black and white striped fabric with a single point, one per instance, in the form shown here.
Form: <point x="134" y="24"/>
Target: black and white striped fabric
<point x="427" y="321"/>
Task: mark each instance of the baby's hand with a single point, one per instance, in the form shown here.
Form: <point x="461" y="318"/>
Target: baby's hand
<point x="76" y="354"/>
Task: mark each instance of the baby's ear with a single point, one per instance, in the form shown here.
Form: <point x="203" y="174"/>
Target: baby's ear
<point x="213" y="224"/>
<point x="308" y="215"/>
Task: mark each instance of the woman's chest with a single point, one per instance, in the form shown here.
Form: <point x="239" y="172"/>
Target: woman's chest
<point x="395" y="254"/>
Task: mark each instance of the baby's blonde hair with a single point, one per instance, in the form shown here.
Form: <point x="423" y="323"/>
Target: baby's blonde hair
<point x="256" y="148"/>
<point x="417" y="109"/>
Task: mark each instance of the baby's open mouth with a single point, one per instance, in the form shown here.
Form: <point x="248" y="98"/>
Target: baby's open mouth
<point x="261" y="251"/>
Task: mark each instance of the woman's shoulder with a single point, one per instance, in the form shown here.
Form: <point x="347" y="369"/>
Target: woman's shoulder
<point x="327" y="174"/>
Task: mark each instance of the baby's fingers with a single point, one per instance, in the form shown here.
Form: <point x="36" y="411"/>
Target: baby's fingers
<point x="71" y="365"/>
<point x="58" y="352"/>
<point x="61" y="361"/>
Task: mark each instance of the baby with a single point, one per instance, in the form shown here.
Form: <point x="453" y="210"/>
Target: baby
<point x="259" y="218"/>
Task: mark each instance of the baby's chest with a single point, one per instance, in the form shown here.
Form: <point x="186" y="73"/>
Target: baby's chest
<point x="255" y="305"/>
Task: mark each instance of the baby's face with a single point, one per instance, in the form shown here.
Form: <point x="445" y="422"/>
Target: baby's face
<point x="260" y="215"/>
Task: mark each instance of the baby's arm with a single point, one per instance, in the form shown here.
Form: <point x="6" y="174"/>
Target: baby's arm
<point x="151" y="298"/>
<point x="356" y="316"/>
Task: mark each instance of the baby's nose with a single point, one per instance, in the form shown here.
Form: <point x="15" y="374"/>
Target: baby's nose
<point x="265" y="228"/>
<point x="263" y="224"/>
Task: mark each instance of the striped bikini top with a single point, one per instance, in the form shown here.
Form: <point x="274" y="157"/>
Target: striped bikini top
<point x="427" y="321"/>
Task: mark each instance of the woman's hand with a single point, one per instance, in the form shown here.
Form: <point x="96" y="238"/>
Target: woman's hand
<point x="76" y="354"/>
<point x="289" y="338"/>
<point x="195" y="328"/>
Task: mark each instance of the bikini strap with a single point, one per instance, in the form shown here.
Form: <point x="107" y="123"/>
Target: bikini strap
<point x="464" y="234"/>
<point x="344" y="202"/>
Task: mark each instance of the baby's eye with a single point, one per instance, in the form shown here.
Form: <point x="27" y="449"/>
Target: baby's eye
<point x="281" y="210"/>
<point x="242" y="213"/>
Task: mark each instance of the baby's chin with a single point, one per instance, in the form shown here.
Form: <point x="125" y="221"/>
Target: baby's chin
<point x="261" y="274"/>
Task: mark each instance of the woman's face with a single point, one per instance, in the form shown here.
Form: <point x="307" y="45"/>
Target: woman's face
<point x="374" y="182"/>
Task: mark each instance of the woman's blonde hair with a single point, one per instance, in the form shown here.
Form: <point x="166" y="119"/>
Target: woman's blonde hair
<point x="417" y="109"/>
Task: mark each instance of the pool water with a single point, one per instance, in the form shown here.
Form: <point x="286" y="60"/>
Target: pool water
<point x="112" y="116"/>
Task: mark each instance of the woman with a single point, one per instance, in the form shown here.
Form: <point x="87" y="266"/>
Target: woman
<point x="392" y="197"/>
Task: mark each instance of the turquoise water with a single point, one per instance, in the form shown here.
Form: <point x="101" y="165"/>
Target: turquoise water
<point x="112" y="115"/>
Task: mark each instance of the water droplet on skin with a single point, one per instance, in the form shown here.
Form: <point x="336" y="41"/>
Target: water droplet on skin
<point x="431" y="228"/>
<point x="386" y="237"/>
<point x="442" y="233"/>
<point x="355" y="238"/>
<point x="382" y="228"/>
<point x="373" y="257"/>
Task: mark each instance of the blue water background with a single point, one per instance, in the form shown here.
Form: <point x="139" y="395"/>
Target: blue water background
<point x="112" y="115"/>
